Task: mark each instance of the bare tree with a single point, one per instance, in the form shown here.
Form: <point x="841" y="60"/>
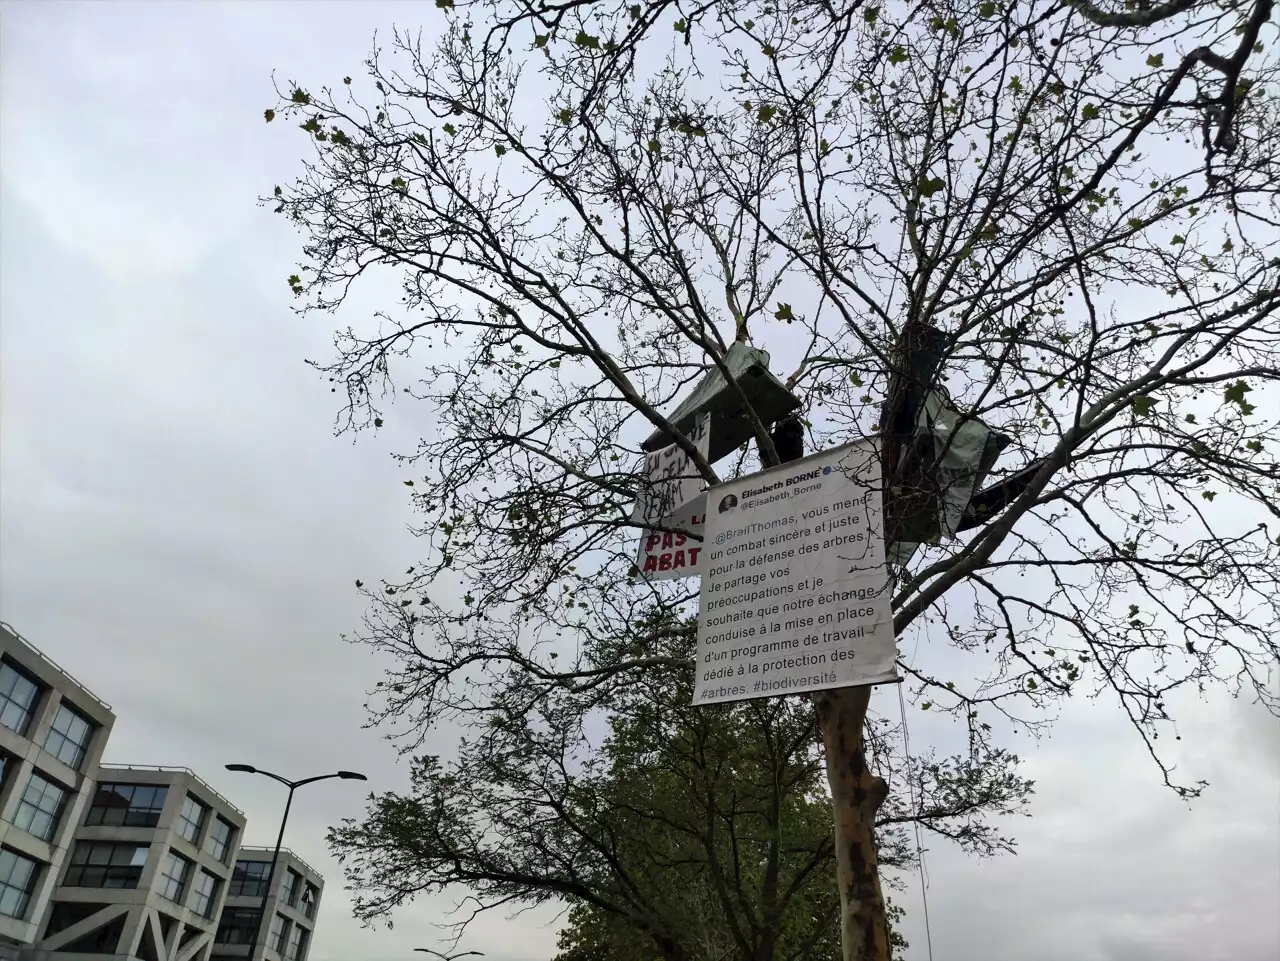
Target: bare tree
<point x="589" y="201"/>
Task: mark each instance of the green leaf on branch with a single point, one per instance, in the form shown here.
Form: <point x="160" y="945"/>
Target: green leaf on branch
<point x="1142" y="405"/>
<point x="987" y="9"/>
<point x="584" y="39"/>
<point x="268" y="115"/>
<point x="1234" y="394"/>
<point x="871" y="14"/>
<point x="784" y="313"/>
<point x="1255" y="446"/>
<point x="301" y="96"/>
<point x="1155" y="60"/>
<point x="1208" y="495"/>
<point x="766" y="113"/>
<point x="930" y="186"/>
<point x="499" y="149"/>
<point x="680" y="26"/>
<point x="1091" y="111"/>
<point x="565" y="115"/>
<point x="540" y="40"/>
<point x="899" y="55"/>
<point x="450" y="129"/>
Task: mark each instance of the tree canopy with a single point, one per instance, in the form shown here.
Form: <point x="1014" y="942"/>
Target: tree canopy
<point x="586" y="203"/>
<point x="674" y="833"/>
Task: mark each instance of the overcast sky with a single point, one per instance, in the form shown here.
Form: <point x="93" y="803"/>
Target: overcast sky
<point x="180" y="529"/>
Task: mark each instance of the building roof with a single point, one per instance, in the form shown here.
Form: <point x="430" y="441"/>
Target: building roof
<point x="258" y="849"/>
<point x="171" y="769"/>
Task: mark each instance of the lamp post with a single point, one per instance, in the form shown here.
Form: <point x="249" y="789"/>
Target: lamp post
<point x="451" y="957"/>
<point x="275" y="855"/>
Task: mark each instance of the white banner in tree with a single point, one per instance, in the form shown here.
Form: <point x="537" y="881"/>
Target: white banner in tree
<point x="795" y="592"/>
<point x="675" y="552"/>
<point x="672" y="497"/>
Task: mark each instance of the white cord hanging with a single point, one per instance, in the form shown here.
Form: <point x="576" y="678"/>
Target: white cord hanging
<point x="911" y="790"/>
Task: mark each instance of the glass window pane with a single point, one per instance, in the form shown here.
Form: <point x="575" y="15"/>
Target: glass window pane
<point x="219" y="840"/>
<point x="191" y="819"/>
<point x="69" y="736"/>
<point x="127" y="805"/>
<point x="40" y="808"/>
<point x="18" y="877"/>
<point x="18" y="695"/>
<point x="101" y="864"/>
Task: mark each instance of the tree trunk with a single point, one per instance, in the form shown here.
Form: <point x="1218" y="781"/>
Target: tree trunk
<point x="856" y="796"/>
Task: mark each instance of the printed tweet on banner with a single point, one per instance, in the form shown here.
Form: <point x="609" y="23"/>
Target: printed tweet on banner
<point x="795" y="590"/>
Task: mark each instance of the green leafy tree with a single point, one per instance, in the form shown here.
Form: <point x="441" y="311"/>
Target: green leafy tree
<point x="687" y="834"/>
<point x="588" y="202"/>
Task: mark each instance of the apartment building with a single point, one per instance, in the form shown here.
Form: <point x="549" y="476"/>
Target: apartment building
<point x="52" y="733"/>
<point x="124" y="861"/>
<point x="291" y="908"/>
<point x="148" y="869"/>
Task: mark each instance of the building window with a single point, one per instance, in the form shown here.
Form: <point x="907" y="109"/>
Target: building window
<point x="249" y="879"/>
<point x="206" y="894"/>
<point x="219" y="841"/>
<point x="279" y="933"/>
<point x="63" y="914"/>
<point x="290" y="886"/>
<point x="237" y="926"/>
<point x="191" y="819"/>
<point x="18" y="696"/>
<point x="18" y="876"/>
<point x="41" y="807"/>
<point x="297" y="943"/>
<point x="309" y="899"/>
<point x="127" y="805"/>
<point x="173" y="877"/>
<point x="101" y="864"/>
<point x="68" y="739"/>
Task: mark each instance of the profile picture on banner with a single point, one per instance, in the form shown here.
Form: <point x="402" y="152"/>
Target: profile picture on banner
<point x="728" y="503"/>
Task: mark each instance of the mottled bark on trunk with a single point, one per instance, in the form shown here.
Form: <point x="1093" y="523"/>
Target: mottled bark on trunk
<point x="856" y="795"/>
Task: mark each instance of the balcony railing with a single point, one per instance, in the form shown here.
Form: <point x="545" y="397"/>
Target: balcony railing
<point x="259" y="848"/>
<point x="47" y="659"/>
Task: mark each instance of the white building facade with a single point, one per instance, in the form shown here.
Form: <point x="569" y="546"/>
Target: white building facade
<point x="124" y="861"/>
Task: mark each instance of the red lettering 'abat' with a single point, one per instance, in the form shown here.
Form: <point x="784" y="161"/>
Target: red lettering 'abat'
<point x="672" y="560"/>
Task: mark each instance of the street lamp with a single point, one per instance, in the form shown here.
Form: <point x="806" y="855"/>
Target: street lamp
<point x="450" y="957"/>
<point x="275" y="856"/>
